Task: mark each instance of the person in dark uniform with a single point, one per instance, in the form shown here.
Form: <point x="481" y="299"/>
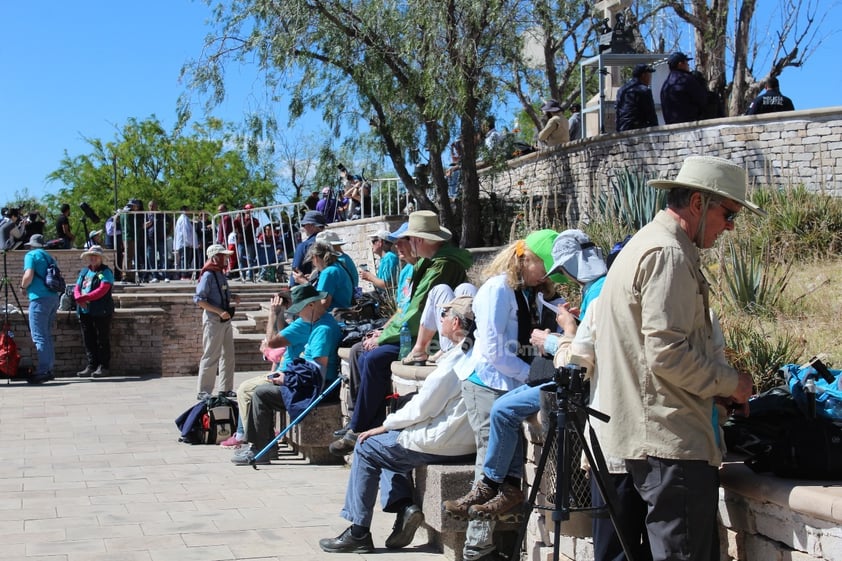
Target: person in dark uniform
<point x="770" y="101"/>
<point x="635" y="105"/>
<point x="684" y="97"/>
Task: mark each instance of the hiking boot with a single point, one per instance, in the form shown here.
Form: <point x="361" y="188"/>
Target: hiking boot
<point x="100" y="372"/>
<point x="86" y="372"/>
<point x="506" y="506"/>
<point x="458" y="508"/>
<point x="406" y="524"/>
<point x="344" y="445"/>
<point x="347" y="543"/>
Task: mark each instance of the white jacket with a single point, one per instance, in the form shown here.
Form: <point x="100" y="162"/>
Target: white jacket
<point x="435" y="421"/>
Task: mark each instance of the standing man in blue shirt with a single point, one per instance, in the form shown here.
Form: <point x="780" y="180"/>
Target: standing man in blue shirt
<point x="389" y="267"/>
<point x="43" y="305"/>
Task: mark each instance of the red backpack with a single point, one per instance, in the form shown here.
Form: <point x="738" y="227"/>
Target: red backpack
<point x="9" y="354"/>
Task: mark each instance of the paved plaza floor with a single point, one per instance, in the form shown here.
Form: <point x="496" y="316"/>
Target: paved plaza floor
<point x="92" y="471"/>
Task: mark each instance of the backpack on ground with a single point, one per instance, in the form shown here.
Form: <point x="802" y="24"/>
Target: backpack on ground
<point x="210" y="421"/>
<point x="9" y="354"/>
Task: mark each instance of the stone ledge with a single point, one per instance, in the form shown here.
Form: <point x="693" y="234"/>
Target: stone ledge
<point x="822" y="500"/>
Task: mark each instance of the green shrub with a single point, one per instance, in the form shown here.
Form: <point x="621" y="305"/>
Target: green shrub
<point x="751" y="280"/>
<point x="752" y="350"/>
<point x="629" y="200"/>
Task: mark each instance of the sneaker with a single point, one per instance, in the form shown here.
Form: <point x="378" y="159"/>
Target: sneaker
<point x="246" y="458"/>
<point x="229" y="394"/>
<point x="234" y="441"/>
<point x="506" y="506"/>
<point x="406" y="524"/>
<point x="86" y="372"/>
<point x="40" y="378"/>
<point x="154" y="281"/>
<point x="344" y="445"/>
<point x="201" y="396"/>
<point x="458" y="508"/>
<point x="101" y="372"/>
<point x="347" y="543"/>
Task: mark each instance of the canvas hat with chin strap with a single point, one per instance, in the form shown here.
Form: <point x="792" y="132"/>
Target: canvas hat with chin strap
<point x="303" y="294"/>
<point x="716" y="176"/>
<point x="575" y="255"/>
<point x="425" y="224"/>
<point x="217" y="249"/>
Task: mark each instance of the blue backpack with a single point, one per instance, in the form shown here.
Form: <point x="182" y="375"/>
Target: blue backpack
<point x="815" y="379"/>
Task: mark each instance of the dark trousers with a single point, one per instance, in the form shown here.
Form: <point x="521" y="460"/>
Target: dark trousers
<point x="631" y="516"/>
<point x="96" y="336"/>
<point x="354" y="374"/>
<point x="260" y="428"/>
<point x="375" y="367"/>
<point x="682" y="497"/>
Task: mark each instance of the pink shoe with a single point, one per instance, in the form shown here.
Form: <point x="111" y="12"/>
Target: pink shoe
<point x="232" y="442"/>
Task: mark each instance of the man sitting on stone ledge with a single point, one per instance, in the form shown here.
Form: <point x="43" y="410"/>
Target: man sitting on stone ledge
<point x="431" y="428"/>
<point x="317" y="336"/>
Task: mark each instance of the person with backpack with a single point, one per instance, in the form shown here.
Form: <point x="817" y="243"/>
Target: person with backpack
<point x="95" y="307"/>
<point x="43" y="305"/>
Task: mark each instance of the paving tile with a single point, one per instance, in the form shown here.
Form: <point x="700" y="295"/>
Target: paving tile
<point x="95" y="477"/>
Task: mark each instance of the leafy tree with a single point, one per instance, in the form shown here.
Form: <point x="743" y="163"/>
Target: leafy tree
<point x="413" y="72"/>
<point x="145" y="161"/>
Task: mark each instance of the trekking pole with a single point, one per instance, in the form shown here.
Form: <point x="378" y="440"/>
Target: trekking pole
<point x="295" y="421"/>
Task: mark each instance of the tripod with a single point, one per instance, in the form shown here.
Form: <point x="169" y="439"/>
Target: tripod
<point x="568" y="421"/>
<point x="7" y="286"/>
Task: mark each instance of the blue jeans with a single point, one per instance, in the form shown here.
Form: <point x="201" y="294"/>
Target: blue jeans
<point x="381" y="459"/>
<point x="504" y="456"/>
<point x="247" y="255"/>
<point x="42" y="315"/>
<point x="375" y="383"/>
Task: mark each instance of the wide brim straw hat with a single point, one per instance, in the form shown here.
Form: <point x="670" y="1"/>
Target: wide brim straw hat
<point x="425" y="224"/>
<point x="331" y="237"/>
<point x="93" y="250"/>
<point x="716" y="176"/>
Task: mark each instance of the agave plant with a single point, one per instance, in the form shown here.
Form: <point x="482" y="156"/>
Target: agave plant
<point x="752" y="280"/>
<point x="629" y="200"/>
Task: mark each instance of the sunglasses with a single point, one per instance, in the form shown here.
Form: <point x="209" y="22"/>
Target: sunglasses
<point x="444" y="313"/>
<point x="730" y="215"/>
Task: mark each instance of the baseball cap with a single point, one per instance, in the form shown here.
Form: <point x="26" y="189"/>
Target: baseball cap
<point x="677" y="57"/>
<point x="639" y="69"/>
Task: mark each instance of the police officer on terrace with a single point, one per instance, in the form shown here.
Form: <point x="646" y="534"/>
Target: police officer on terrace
<point x="770" y="101"/>
<point x="635" y="105"/>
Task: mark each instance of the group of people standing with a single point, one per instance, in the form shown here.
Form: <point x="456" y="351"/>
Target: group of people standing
<point x="684" y="97"/>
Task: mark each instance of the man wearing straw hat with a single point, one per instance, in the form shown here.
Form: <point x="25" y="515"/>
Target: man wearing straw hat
<point x="655" y="351"/>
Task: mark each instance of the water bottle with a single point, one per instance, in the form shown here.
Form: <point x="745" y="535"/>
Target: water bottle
<point x="810" y="394"/>
<point x="406" y="341"/>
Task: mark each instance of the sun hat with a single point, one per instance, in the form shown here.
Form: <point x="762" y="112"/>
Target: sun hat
<point x="384" y="235"/>
<point x="303" y="294"/>
<point x="710" y="174"/>
<point x="94" y="233"/>
<point x="461" y="306"/>
<point x="314" y="217"/>
<point x="400" y="231"/>
<point x="541" y="244"/>
<point x="93" y="250"/>
<point x="331" y="237"/>
<point x="551" y="106"/>
<point x="217" y="249"/>
<point x="575" y="255"/>
<point x="37" y="240"/>
<point x="425" y="224"/>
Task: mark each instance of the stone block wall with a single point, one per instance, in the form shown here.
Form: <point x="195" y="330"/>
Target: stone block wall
<point x="778" y="149"/>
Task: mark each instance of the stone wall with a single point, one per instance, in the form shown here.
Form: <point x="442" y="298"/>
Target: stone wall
<point x="781" y="149"/>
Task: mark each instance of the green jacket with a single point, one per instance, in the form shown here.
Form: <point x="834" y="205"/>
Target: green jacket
<point x="448" y="266"/>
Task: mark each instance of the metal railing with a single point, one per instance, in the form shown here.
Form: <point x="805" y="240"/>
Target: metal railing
<point x="170" y="245"/>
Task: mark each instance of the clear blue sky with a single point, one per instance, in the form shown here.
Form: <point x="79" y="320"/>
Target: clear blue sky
<point x="82" y="68"/>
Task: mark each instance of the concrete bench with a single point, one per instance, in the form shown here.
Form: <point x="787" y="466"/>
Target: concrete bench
<point x="312" y="436"/>
<point x="408" y="379"/>
<point x="436" y="483"/>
